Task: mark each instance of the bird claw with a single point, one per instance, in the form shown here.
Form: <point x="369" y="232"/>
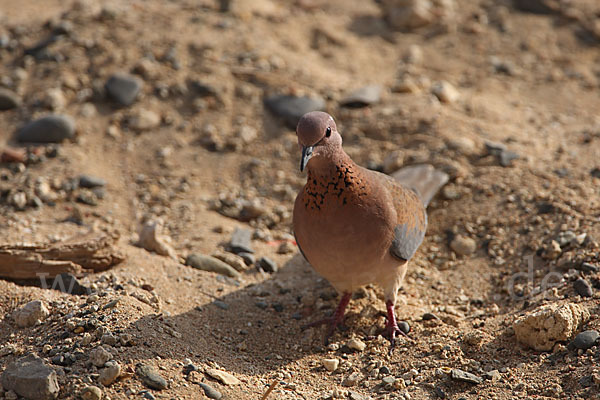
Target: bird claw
<point x="392" y="332"/>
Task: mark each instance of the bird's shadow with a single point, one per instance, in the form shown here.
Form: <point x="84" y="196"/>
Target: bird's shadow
<point x="251" y="331"/>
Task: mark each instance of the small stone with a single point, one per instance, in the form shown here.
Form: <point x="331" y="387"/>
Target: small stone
<point x="583" y="288"/>
<point x="53" y="128"/>
<point x="91" y="393"/>
<point x="150" y="377"/>
<point x="291" y="108"/>
<point x="211" y="264"/>
<point x="548" y="324"/>
<point x="151" y="239"/>
<point x="222" y="376"/>
<point x="55" y="99"/>
<point x="445" y="92"/>
<point x="241" y="241"/>
<point x="504" y="156"/>
<point x="99" y="356"/>
<point x="8" y="99"/>
<point x="233" y="260"/>
<point x="587" y="267"/>
<point x="221" y="304"/>
<point x="210" y="392"/>
<point x="351" y="380"/>
<point x="261" y="304"/>
<point x="408" y="15"/>
<point x="31" y="378"/>
<point x="463" y="246"/>
<point x="404" y="326"/>
<point x="249" y="258"/>
<point x="585" y="339"/>
<point x="463" y="376"/>
<point x="356" y="344"/>
<point x="267" y="265"/>
<point x="493" y="375"/>
<point x="286" y="247"/>
<point x="429" y="317"/>
<point x="362" y="97"/>
<point x="330" y="364"/>
<point x="143" y="120"/>
<point x="110" y="373"/>
<point x="413" y="55"/>
<point x="31" y="313"/>
<point x="90" y="181"/>
<point x="123" y="88"/>
<point x="388" y="380"/>
<point x="595" y="172"/>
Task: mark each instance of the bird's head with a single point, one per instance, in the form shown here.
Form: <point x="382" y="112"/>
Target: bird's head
<point x="318" y="137"/>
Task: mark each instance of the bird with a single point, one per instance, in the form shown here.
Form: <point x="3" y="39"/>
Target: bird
<point x="357" y="226"/>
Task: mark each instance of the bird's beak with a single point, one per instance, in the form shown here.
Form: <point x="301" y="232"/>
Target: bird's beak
<point x="307" y="153"/>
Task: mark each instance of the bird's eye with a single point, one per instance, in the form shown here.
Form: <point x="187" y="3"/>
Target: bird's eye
<point x="328" y="132"/>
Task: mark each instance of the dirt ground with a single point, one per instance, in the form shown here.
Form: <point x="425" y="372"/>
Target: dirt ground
<point x="527" y="81"/>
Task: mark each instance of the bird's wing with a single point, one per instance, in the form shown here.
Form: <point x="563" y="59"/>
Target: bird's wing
<point x="411" y="222"/>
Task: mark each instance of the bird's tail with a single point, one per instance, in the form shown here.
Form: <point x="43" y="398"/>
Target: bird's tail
<point x="422" y="178"/>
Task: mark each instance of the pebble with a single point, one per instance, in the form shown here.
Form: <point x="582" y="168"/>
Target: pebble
<point x="221" y="304"/>
<point x="356" y="344"/>
<point x="330" y="364"/>
<point x="233" y="260"/>
<point x="31" y="313"/>
<point x="351" y="380"/>
<point x="143" y="120"/>
<point x="286" y="247"/>
<point x="445" y="92"/>
<point x="110" y="373"/>
<point x="210" y="392"/>
<point x="595" y="172"/>
<point x="249" y="258"/>
<point x="429" y="317"/>
<point x="123" y="88"/>
<point x="267" y="265"/>
<point x="493" y="375"/>
<point x="362" y="97"/>
<point x="150" y="377"/>
<point x="90" y="181"/>
<point x="587" y="267"/>
<point x="404" y="326"/>
<point x="408" y="15"/>
<point x="99" y="356"/>
<point x="222" y="376"/>
<point x="31" y="378"/>
<point x="583" y="288"/>
<point x="463" y="376"/>
<point x="152" y="239"/>
<point x="241" y="241"/>
<point x="463" y="246"/>
<point x="8" y="99"/>
<point x="211" y="264"/>
<point x="91" y="393"/>
<point x="291" y="108"/>
<point x="53" y="128"/>
<point x="505" y="156"/>
<point x="586" y="339"/>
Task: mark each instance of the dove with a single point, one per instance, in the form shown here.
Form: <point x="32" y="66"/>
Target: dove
<point x="356" y="226"/>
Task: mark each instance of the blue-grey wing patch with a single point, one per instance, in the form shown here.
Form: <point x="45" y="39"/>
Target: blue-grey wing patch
<point x="407" y="240"/>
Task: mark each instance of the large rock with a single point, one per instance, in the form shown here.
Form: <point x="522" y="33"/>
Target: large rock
<point x="291" y="108"/>
<point x="542" y="328"/>
<point x="31" y="378"/>
<point x="52" y="128"/>
<point x="31" y="313"/>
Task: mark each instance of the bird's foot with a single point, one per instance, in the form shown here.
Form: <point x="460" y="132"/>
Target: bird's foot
<point x="334" y="321"/>
<point x="392" y="328"/>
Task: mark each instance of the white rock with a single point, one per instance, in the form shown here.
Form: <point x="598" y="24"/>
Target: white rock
<point x="151" y="239"/>
<point x="463" y="246"/>
<point x="31" y="313"/>
<point x="109" y="374"/>
<point x="99" y="356"/>
<point x="445" y="92"/>
<point x="330" y="364"/>
<point x="143" y="120"/>
<point x="224" y="377"/>
<point x="548" y="324"/>
<point x="356" y="344"/>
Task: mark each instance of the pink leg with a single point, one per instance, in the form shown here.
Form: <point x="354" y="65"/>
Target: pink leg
<point x="391" y="325"/>
<point x="334" y="320"/>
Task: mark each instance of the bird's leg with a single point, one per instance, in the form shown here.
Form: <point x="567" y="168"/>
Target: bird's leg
<point x="391" y="325"/>
<point x="335" y="319"/>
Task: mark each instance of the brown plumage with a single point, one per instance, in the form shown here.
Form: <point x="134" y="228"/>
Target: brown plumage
<point x="353" y="225"/>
